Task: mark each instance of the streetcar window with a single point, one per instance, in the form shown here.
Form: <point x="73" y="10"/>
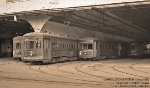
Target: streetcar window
<point x="132" y="47"/>
<point x="90" y="46"/>
<point x="101" y="46"/>
<point x="84" y="46"/>
<point x="26" y="45"/>
<point x="69" y="46"/>
<point x="72" y="46"/>
<point x="61" y="46"/>
<point x="65" y="46"/>
<point x="31" y="44"/>
<point x="38" y="44"/>
<point x="18" y="45"/>
<point x="54" y="45"/>
<point x="46" y="43"/>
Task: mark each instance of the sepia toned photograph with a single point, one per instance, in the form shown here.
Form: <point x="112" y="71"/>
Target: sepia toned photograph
<point x="74" y="43"/>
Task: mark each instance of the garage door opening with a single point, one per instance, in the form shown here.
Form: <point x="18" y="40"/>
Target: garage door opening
<point x="8" y="30"/>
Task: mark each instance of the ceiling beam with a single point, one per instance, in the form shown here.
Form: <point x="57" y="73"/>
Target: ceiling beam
<point x="115" y="28"/>
<point x="80" y="22"/>
<point x="113" y="16"/>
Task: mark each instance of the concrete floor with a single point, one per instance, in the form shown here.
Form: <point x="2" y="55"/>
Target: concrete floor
<point x="110" y="73"/>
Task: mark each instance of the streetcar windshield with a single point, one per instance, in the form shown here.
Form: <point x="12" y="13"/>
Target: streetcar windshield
<point x="18" y="46"/>
<point x="90" y="46"/>
<point x="29" y="44"/>
<point x="32" y="44"/>
<point x="86" y="46"/>
<point x="38" y="44"/>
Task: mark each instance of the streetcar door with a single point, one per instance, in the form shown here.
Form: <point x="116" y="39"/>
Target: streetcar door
<point x="47" y="50"/>
<point x="94" y="49"/>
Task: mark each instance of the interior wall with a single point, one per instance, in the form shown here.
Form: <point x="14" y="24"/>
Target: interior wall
<point x="0" y="48"/>
<point x="6" y="47"/>
<point x="8" y="30"/>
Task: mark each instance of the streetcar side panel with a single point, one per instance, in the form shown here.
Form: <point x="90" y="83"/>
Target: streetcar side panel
<point x="63" y="49"/>
<point x="107" y="49"/>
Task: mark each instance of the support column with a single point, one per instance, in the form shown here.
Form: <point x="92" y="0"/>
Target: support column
<point x="36" y="21"/>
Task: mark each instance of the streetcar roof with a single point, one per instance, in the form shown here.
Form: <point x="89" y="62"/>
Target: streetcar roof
<point x="36" y="34"/>
<point x="18" y="37"/>
<point x="88" y="38"/>
<point x="96" y="39"/>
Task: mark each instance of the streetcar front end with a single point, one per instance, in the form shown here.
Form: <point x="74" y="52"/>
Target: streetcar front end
<point x="86" y="50"/>
<point x="32" y="51"/>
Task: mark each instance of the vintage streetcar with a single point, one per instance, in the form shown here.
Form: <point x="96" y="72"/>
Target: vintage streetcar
<point x="17" y="47"/>
<point x="94" y="49"/>
<point x="42" y="48"/>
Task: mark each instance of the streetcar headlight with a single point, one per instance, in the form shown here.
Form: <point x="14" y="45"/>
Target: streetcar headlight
<point x="19" y="52"/>
<point x="84" y="52"/>
<point x="13" y="53"/>
<point x="31" y="53"/>
<point x="80" y="53"/>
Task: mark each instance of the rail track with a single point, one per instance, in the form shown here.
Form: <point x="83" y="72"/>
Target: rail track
<point x="70" y="75"/>
<point x="115" y="67"/>
<point x="133" y="68"/>
<point x="83" y="83"/>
